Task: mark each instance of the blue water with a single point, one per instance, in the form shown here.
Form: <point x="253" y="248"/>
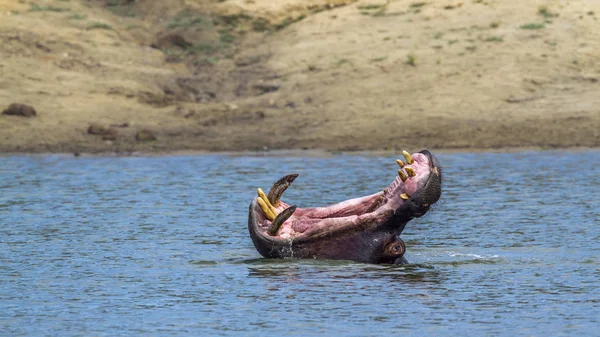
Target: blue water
<point x="158" y="246"/>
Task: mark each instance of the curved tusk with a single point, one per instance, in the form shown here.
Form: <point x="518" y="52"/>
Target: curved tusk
<point x="279" y="187"/>
<point x="266" y="210"/>
<point x="402" y="175"/>
<point x="408" y="157"/>
<point x="280" y="219"/>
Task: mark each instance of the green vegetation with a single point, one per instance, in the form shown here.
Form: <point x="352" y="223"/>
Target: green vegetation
<point x="37" y="8"/>
<point x="77" y="17"/>
<point x="341" y="62"/>
<point x="494" y="24"/>
<point x="411" y="59"/>
<point x="377" y="10"/>
<point x="260" y="24"/>
<point x="371" y="7"/>
<point x="546" y="13"/>
<point x="117" y="8"/>
<point x="471" y="48"/>
<point x="232" y="20"/>
<point x="494" y="39"/>
<point x="215" y="44"/>
<point x="225" y="36"/>
<point x="185" y="19"/>
<point x="379" y="59"/>
<point x="288" y="21"/>
<point x="417" y="4"/>
<point x="533" y="26"/>
<point x="99" y="25"/>
<point x="204" y="48"/>
<point x="211" y="60"/>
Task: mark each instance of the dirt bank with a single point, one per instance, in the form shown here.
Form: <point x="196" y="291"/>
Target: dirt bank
<point x="124" y="75"/>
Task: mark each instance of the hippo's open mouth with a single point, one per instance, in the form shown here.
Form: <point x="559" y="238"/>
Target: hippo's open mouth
<point x="363" y="229"/>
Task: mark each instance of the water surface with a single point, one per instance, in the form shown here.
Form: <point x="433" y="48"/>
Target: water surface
<point x="158" y="246"/>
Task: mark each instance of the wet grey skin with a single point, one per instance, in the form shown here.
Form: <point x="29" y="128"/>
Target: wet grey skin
<point x="364" y="229"/>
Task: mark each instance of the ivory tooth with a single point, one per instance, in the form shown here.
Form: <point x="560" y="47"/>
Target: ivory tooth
<point x="410" y="172"/>
<point x="280" y="219"/>
<point x="402" y="175"/>
<point x="408" y="157"/>
<point x="279" y="187"/>
<point x="262" y="195"/>
<point x="404" y="196"/>
<point x="266" y="210"/>
<point x="400" y="163"/>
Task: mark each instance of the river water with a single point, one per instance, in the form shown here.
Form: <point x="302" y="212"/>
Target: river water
<point x="158" y="246"/>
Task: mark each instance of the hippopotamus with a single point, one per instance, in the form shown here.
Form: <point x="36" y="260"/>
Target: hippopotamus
<point x="365" y="229"/>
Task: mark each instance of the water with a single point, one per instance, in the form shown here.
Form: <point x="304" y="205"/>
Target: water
<point x="159" y="246"/>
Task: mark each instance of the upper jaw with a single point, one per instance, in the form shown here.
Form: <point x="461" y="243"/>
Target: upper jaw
<point x="428" y="189"/>
<point x="412" y="176"/>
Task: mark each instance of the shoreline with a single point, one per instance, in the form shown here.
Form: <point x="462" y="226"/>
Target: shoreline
<point x="316" y="153"/>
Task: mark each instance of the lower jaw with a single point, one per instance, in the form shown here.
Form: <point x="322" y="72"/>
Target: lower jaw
<point x="365" y="243"/>
<point x="358" y="246"/>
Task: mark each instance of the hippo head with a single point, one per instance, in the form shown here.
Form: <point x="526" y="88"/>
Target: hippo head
<point x="363" y="229"/>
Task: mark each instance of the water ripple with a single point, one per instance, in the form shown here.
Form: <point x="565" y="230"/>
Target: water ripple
<point x="159" y="246"/>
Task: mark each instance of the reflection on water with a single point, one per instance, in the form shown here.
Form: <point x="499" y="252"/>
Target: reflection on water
<point x="344" y="270"/>
<point x="159" y="246"/>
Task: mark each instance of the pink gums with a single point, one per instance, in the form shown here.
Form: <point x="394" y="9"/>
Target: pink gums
<point x="352" y="211"/>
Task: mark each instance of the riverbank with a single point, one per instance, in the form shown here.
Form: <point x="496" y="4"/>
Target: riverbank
<point x="137" y="77"/>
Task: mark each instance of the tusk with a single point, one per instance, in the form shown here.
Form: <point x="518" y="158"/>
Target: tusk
<point x="400" y="163"/>
<point x="280" y="219"/>
<point x="408" y="158"/>
<point x="404" y="196"/>
<point x="266" y="210"/>
<point x="402" y="175"/>
<point x="262" y="195"/>
<point x="279" y="187"/>
<point x="410" y="172"/>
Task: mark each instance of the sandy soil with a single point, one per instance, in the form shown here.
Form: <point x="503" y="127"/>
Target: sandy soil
<point x="335" y="75"/>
